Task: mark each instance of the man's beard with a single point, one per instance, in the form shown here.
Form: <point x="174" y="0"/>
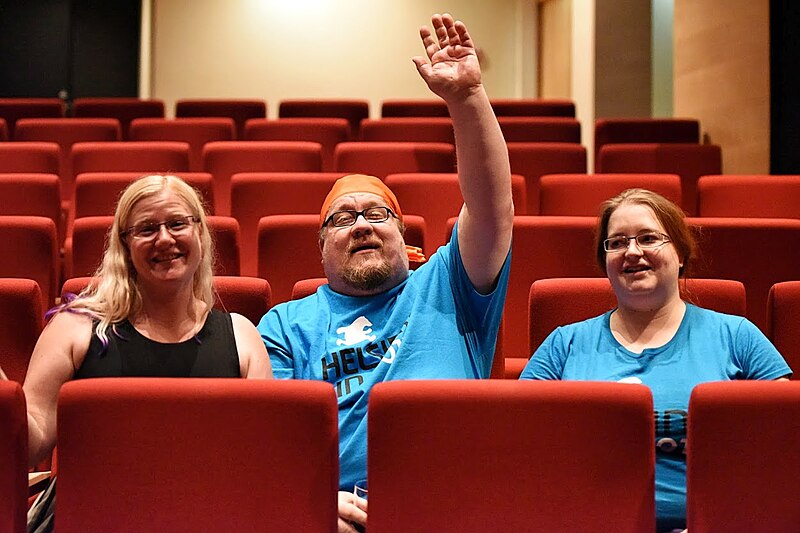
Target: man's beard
<point x="367" y="277"/>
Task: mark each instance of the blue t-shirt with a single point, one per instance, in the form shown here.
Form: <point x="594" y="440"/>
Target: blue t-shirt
<point x="708" y="346"/>
<point x="432" y="325"/>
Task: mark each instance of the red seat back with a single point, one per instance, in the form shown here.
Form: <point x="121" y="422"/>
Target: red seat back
<point x="645" y="130"/>
<point x="582" y="194"/>
<point x="29" y="248"/>
<point x="383" y="158"/>
<point x="65" y="132"/>
<point x="354" y="111"/>
<point x="540" y="129"/>
<point x="689" y="161"/>
<point x="240" y="111"/>
<point x="256" y="195"/>
<point x="122" y="109"/>
<point x="13" y="458"/>
<point x="21" y="322"/>
<point x="445" y="425"/>
<point x="534" y="160"/>
<point x="739" y="476"/>
<point x="751" y="196"/>
<point x="224" y="159"/>
<point x="198" y="444"/>
<point x="194" y="131"/>
<point x="328" y="132"/>
<point x="783" y="308"/>
<point x="759" y="252"/>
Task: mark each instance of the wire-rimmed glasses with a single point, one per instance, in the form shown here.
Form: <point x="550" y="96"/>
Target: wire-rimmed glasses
<point x="649" y="239"/>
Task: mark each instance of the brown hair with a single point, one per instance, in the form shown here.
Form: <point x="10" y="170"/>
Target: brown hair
<point x="668" y="214"/>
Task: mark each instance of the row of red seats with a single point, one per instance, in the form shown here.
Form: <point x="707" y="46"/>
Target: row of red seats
<point x="269" y="456"/>
<point x="254" y="195"/>
<point x="353" y="111"/>
<point x="222" y="159"/>
<point x="531" y="313"/>
<point x="326" y="131"/>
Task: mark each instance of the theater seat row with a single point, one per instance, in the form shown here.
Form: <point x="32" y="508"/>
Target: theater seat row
<point x="549" y="303"/>
<point x="467" y="456"/>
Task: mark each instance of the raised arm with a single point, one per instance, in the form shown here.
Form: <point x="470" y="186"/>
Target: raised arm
<point x="59" y="350"/>
<point x="452" y="72"/>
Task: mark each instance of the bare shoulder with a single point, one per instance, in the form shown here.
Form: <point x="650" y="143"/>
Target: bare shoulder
<point x="68" y="331"/>
<point x="241" y="324"/>
<point x="253" y="358"/>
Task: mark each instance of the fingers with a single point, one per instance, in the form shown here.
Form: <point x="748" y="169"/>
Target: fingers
<point x="428" y="41"/>
<point x="352" y="509"/>
<point x="345" y="527"/>
<point x="463" y="35"/>
<point x="3" y="374"/>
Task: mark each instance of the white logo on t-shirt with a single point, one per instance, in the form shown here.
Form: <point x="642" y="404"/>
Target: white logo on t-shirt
<point x="631" y="379"/>
<point x="357" y="332"/>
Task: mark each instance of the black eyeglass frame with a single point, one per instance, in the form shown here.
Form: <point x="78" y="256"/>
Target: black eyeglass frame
<point x="362" y="213"/>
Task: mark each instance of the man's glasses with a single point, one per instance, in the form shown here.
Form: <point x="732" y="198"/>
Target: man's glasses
<point x="148" y="230"/>
<point x="651" y="239"/>
<point x="373" y="215"/>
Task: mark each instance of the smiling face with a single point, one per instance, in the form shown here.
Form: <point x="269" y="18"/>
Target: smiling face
<point x="365" y="258"/>
<point x="163" y="257"/>
<point x="641" y="277"/>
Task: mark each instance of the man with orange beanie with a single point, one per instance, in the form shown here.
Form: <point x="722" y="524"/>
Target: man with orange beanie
<point x="375" y="321"/>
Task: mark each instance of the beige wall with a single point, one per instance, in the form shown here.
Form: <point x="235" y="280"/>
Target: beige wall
<point x="280" y="49"/>
<point x="721" y="63"/>
<point x="555" y="48"/>
<point x="622" y="58"/>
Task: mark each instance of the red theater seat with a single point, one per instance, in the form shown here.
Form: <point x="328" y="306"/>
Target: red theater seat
<point x="13" y="109"/>
<point x="752" y="196"/>
<point x="689" y="161"/>
<point x="582" y="194"/>
<point x="21" y="322"/>
<point x="408" y="129"/>
<point x="194" y="131"/>
<point x="256" y="195"/>
<point x="383" y="158"/>
<point x="13" y="458"/>
<point x="414" y="108"/>
<point x="435" y="431"/>
<point x="202" y="454"/>
<point x="741" y="472"/>
<point x="645" y="130"/>
<point x="122" y="109"/>
<point x="534" y="160"/>
<point x="240" y="111"/>
<point x="540" y="129"/>
<point x="532" y="107"/>
<point x="328" y="132"/>
<point x="66" y="132"/>
<point x="783" y="308"/>
<point x="354" y="111"/>
<point x="29" y="248"/>
<point x="224" y="159"/>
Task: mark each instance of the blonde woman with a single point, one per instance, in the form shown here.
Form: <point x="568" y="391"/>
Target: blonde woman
<point x="149" y="313"/>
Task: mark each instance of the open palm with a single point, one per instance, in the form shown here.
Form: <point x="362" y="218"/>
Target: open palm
<point x="451" y="69"/>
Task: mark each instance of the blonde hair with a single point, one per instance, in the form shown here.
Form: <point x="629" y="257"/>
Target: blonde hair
<point x="114" y="295"/>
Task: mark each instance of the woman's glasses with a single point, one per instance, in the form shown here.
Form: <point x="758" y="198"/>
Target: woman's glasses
<point x="651" y="239"/>
<point x="148" y="230"/>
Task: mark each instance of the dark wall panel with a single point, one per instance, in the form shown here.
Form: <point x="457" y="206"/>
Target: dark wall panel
<point x="785" y="86"/>
<point x="83" y="47"/>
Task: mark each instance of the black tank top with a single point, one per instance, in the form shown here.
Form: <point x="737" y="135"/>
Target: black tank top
<point x="210" y="353"/>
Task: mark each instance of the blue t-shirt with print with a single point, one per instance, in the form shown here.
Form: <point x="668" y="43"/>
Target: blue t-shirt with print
<point x="433" y="325"/>
<point x="708" y="346"/>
